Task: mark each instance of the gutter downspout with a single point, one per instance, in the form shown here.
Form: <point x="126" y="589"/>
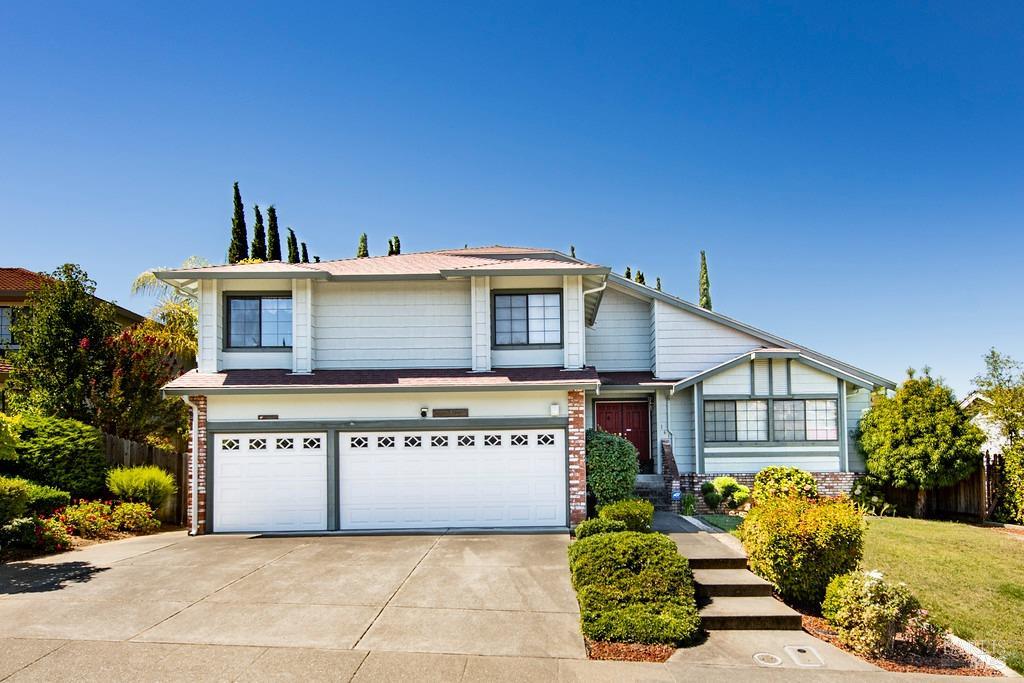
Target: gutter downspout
<point x="194" y="493"/>
<point x="595" y="290"/>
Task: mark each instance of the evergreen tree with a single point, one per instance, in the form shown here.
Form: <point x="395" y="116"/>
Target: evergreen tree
<point x="572" y="250"/>
<point x="394" y="246"/>
<point x="273" y="238"/>
<point x="628" y="274"/>
<point x="259" y="242"/>
<point x="293" y="247"/>
<point x="640" y="279"/>
<point x="657" y="284"/>
<point x="305" y="254"/>
<point x="239" y="248"/>
<point x="363" y="251"/>
<point x="704" y="300"/>
<point x="316" y="259"/>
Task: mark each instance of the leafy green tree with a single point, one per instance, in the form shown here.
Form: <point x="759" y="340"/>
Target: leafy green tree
<point x="293" y="247"/>
<point x="273" y="238"/>
<point x="259" y="242"/>
<point x="239" y="248"/>
<point x="10" y="428"/>
<point x="704" y="299"/>
<point x="62" y="359"/>
<point x="1003" y="385"/>
<point x="919" y="438"/>
<point x="305" y="253"/>
<point x="363" y="250"/>
<point x="628" y="274"/>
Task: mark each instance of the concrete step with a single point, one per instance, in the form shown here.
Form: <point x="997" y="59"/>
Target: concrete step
<point x="749" y="613"/>
<point x="720" y="562"/>
<point x="730" y="583"/>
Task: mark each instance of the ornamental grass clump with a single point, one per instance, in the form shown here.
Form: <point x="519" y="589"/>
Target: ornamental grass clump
<point x="800" y="545"/>
<point x="143" y="484"/>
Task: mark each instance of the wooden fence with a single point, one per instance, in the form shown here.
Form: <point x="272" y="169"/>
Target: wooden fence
<point x="124" y="453"/>
<point x="975" y="497"/>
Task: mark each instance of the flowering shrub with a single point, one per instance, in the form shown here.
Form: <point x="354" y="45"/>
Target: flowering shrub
<point x="134" y="517"/>
<point x="784" y="482"/>
<point x="867" y="493"/>
<point x="39" y="533"/>
<point x="89" y="519"/>
<point x="867" y="611"/>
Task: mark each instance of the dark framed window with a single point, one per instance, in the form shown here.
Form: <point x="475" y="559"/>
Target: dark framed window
<point x="790" y="423"/>
<point x="720" y="420"/>
<point x="6" y="319"/>
<point x="527" y="319"/>
<point x="806" y="420"/>
<point x="259" y="322"/>
<point x="736" y="420"/>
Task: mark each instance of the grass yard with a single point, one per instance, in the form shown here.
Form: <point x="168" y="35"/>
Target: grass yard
<point x="970" y="579"/>
<point x="723" y="522"/>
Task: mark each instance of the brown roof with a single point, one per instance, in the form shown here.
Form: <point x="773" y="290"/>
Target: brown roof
<point x="20" y="279"/>
<point x="623" y="379"/>
<point x="368" y="380"/>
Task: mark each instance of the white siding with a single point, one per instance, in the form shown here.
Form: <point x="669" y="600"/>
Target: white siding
<point x="780" y="379"/>
<point x="812" y="461"/>
<point x="808" y="380"/>
<point x="302" y="326"/>
<point x="688" y="344"/>
<point x="680" y="421"/>
<point x="857" y="403"/>
<point x="481" y="299"/>
<point x="762" y="372"/>
<point x="392" y="324"/>
<point x="572" y="321"/>
<point x="735" y="380"/>
<point x="208" y="358"/>
<point x="622" y="336"/>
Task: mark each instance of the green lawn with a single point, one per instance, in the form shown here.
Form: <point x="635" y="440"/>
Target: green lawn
<point x="970" y="579"/>
<point x="724" y="522"/>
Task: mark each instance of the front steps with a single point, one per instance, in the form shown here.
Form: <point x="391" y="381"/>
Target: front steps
<point x="735" y="598"/>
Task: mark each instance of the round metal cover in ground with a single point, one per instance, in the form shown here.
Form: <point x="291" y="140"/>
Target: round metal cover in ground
<point x="767" y="659"/>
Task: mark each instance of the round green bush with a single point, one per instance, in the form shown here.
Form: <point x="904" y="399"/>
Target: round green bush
<point x="14" y="495"/>
<point x="867" y="611"/>
<point x="43" y="501"/>
<point x="636" y="514"/>
<point x="592" y="527"/>
<point x="784" y="482"/>
<point x="143" y="484"/>
<point x="89" y="519"/>
<point x="612" y="467"/>
<point x="65" y="454"/>
<point x="800" y="545"/>
<point x="134" y="517"/>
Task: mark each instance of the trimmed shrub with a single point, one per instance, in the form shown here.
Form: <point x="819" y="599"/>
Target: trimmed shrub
<point x="634" y="587"/>
<point x="43" y="501"/>
<point x="726" y="490"/>
<point x="867" y="611"/>
<point x="592" y="527"/>
<point x="612" y="467"/>
<point x="134" y="517"/>
<point x="65" y="454"/>
<point x="784" y="482"/>
<point x="800" y="545"/>
<point x="13" y="499"/>
<point x="636" y="514"/>
<point x="48" y="535"/>
<point x="143" y="484"/>
<point x="89" y="519"/>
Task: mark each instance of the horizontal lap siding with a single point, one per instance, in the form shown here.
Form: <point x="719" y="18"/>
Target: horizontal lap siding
<point x="857" y="403"/>
<point x="808" y="380"/>
<point x="621" y="336"/>
<point x="392" y="325"/>
<point x="687" y="343"/>
<point x="681" y="425"/>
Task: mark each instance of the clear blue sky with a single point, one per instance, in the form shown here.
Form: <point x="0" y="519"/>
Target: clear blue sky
<point x="855" y="172"/>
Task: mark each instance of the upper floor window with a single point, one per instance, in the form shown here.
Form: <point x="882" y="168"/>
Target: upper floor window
<point x="255" y="322"/>
<point x="6" y="318"/>
<point x="528" y="319"/>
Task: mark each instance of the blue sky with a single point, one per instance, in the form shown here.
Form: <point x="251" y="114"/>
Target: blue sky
<point x="855" y="172"/>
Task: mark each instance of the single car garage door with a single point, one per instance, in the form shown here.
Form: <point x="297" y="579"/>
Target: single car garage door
<point x="270" y="482"/>
<point x="422" y="480"/>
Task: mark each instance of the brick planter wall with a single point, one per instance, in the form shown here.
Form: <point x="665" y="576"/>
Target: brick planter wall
<point x="200" y="489"/>
<point x="577" y="459"/>
<point x="829" y="483"/>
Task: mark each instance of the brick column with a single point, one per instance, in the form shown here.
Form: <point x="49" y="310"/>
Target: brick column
<point x="200" y="489"/>
<point x="577" y="459"/>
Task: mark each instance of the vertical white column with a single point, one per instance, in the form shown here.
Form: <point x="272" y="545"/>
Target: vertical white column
<point x="302" y="326"/>
<point x="480" y="323"/>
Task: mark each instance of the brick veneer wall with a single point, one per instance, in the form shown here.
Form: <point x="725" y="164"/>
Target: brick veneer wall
<point x="577" y="459"/>
<point x="200" y="402"/>
<point x="829" y="483"/>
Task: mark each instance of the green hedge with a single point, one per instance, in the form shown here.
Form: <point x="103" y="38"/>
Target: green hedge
<point x="612" y="467"/>
<point x="45" y="500"/>
<point x="635" y="588"/>
<point x="14" y="495"/>
<point x="636" y="514"/>
<point x="65" y="454"/>
<point x="592" y="527"/>
<point x="800" y="545"/>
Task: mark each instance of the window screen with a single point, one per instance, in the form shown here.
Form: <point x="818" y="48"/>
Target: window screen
<point x="789" y="421"/>
<point x="524" y="319"/>
<point x="259" y="322"/>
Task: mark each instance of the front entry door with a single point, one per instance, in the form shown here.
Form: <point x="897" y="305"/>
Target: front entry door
<point x="629" y="419"/>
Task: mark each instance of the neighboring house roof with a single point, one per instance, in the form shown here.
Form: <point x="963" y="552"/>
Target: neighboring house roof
<point x="973" y="397"/>
<point x="19" y="282"/>
<point x="417" y="379"/>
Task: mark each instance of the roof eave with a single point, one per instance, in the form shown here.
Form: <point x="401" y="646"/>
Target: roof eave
<point x="472" y="272"/>
<point x="374" y="388"/>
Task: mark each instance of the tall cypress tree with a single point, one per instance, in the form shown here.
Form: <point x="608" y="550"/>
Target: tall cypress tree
<point x="293" y="247"/>
<point x="657" y="284"/>
<point x="704" y="284"/>
<point x="259" y="241"/>
<point x="628" y="274"/>
<point x="398" y="246"/>
<point x="363" y="250"/>
<point x="305" y="254"/>
<point x="273" y="238"/>
<point x="238" y="249"/>
<point x="572" y="250"/>
<point x="394" y="246"/>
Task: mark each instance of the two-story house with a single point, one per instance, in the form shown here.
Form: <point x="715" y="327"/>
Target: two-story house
<point x="453" y="389"/>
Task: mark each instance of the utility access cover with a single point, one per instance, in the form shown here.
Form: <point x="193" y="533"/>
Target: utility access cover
<point x="767" y="659"/>
<point x="805" y="656"/>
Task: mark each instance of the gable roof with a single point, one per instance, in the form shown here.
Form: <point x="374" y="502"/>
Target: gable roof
<point x="756" y="354"/>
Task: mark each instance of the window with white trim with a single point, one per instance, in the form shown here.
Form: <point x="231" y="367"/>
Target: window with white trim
<point x="528" y="319"/>
<point x="792" y="420"/>
<point x="259" y="322"/>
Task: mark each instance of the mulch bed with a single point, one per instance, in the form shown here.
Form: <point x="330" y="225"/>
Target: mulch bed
<point x="77" y="543"/>
<point x="628" y="652"/>
<point x="949" y="660"/>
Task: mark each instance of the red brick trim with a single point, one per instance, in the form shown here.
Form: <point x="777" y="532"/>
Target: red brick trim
<point x="200" y="403"/>
<point x="830" y="484"/>
<point x="577" y="459"/>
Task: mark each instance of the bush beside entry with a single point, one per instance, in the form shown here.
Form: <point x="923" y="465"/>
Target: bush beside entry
<point x="592" y="527"/>
<point x="800" y="545"/>
<point x="868" y="611"/>
<point x="636" y="514"/>
<point x="612" y="467"/>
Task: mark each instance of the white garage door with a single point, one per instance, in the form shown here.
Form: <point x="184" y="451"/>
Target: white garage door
<point x="422" y="480"/>
<point x="270" y="482"/>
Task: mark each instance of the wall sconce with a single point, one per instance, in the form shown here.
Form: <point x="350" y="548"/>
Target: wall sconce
<point x="424" y="411"/>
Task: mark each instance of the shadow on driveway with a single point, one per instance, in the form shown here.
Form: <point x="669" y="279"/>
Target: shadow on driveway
<point x="37" y="577"/>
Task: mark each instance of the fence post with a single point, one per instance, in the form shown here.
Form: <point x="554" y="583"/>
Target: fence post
<point x="983" y="480"/>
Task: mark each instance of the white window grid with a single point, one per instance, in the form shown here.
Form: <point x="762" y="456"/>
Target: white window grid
<point x="545" y="439"/>
<point x="466" y="440"/>
<point x="385" y="442"/>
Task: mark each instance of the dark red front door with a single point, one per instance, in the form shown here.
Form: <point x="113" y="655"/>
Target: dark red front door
<point x="629" y="419"/>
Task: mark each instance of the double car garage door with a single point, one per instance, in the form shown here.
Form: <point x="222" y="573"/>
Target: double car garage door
<point x="390" y="480"/>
